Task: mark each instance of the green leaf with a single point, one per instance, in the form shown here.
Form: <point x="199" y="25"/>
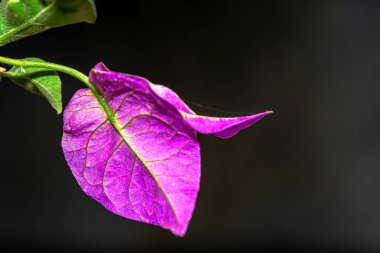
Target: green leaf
<point x="39" y="81"/>
<point x="22" y="18"/>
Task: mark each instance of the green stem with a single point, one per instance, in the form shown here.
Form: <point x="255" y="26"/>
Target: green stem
<point x="64" y="69"/>
<point x="48" y="65"/>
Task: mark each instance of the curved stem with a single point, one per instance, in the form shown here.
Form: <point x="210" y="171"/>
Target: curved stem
<point x="47" y="65"/>
<point x="64" y="69"/>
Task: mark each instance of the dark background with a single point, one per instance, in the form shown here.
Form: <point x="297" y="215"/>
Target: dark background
<point x="306" y="177"/>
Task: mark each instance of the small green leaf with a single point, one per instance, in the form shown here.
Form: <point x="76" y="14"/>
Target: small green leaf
<point x="39" y="81"/>
<point x="22" y="18"/>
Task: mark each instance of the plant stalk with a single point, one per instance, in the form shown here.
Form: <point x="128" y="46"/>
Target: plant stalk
<point x="64" y="69"/>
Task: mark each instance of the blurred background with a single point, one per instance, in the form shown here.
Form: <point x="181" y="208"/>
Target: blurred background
<point x="306" y="177"/>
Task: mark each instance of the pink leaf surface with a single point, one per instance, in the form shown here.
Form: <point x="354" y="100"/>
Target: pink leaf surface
<point x="148" y="171"/>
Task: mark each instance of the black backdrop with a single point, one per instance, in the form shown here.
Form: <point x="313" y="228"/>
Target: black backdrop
<point x="306" y="177"/>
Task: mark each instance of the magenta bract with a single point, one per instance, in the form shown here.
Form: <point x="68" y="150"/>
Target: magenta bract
<point x="151" y="171"/>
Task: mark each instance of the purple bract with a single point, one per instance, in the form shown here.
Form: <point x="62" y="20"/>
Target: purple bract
<point x="145" y="165"/>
